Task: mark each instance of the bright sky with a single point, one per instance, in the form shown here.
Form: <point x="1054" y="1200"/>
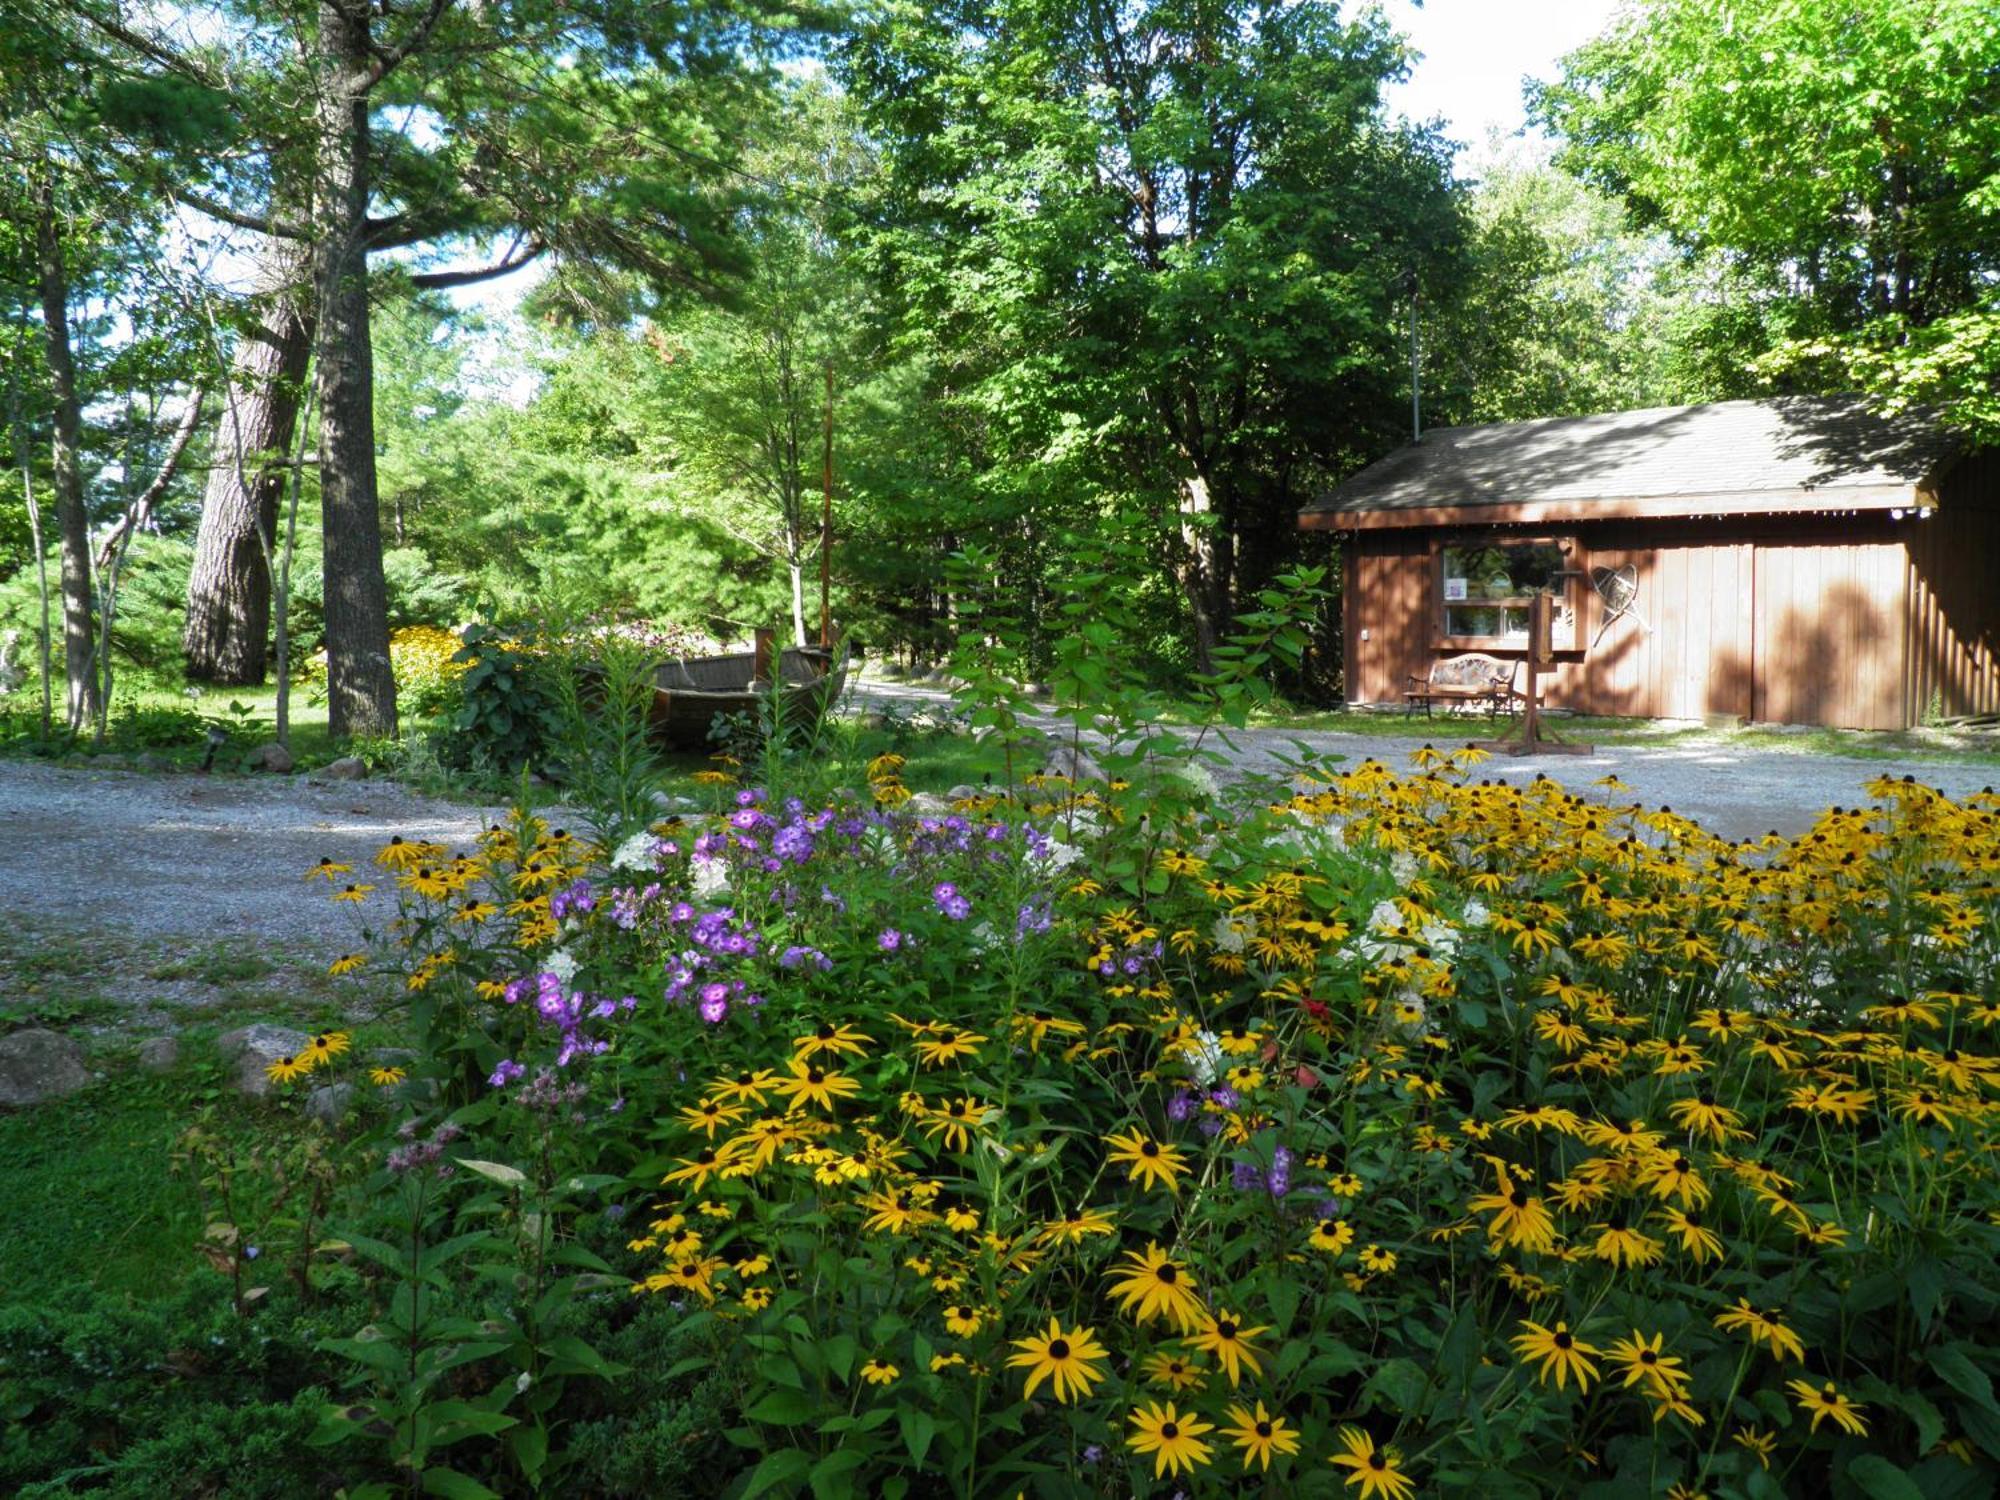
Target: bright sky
<point x="1476" y="54"/>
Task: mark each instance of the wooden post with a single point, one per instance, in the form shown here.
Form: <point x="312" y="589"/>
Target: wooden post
<point x="761" y="662"/>
<point x="1528" y="737"/>
<point x="826" y="521"/>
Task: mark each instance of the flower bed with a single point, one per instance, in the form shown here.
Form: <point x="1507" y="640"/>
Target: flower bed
<point x="1395" y="1134"/>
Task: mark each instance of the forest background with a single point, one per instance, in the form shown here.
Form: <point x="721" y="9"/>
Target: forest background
<point x="1061" y="277"/>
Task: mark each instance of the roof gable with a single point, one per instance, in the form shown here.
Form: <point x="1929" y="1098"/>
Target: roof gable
<point x="1780" y="453"/>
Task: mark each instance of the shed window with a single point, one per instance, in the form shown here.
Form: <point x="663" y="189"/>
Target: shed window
<point x="1485" y="588"/>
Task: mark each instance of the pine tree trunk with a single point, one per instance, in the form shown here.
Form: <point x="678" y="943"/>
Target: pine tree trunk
<point x="361" y="689"/>
<point x="72" y="521"/>
<point x="229" y="590"/>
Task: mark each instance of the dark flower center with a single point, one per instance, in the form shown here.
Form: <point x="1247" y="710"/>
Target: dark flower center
<point x="1519" y="1198"/>
<point x="1563" y="1341"/>
<point x="1648" y="1357"/>
<point x="815" y="1077"/>
<point x="825" y="1032"/>
<point x="1263" y="1429"/>
<point x="1170" y="1430"/>
<point x="1149" y="1149"/>
<point x="1225" y="1329"/>
<point x="961" y="1311"/>
<point x="1058" y="1348"/>
<point x="1167" y="1275"/>
<point x="1375" y="1462"/>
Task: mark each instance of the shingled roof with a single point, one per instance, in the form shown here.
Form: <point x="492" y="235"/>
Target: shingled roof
<point x="1784" y="453"/>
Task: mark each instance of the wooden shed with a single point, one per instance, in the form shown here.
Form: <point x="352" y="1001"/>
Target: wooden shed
<point x="1794" y="560"/>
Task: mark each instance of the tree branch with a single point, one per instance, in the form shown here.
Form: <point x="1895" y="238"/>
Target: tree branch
<point x="148" y="47"/>
<point x="141" y="510"/>
<point x="388" y="59"/>
<point x="282" y="229"/>
<point x="513" y="261"/>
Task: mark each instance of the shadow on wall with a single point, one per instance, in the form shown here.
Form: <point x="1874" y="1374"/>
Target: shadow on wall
<point x="1833" y="660"/>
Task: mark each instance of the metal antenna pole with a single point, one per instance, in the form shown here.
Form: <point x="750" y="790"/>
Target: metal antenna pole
<point x="1416" y="399"/>
<point x="826" y="522"/>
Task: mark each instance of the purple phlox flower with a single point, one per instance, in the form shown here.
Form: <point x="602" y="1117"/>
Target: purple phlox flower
<point x="1034" y="917"/>
<point x="950" y="902"/>
<point x="714" y="1007"/>
<point x="799" y="954"/>
<point x="1180" y="1108"/>
<point x="506" y="1073"/>
<point x="889" y="940"/>
<point x="576" y="897"/>
<point x="827" y="896"/>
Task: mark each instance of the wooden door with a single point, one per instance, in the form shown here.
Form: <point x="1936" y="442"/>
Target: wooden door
<point x="1829" y="634"/>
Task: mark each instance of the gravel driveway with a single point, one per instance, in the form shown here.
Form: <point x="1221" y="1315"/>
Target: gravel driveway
<point x="200" y="857"/>
<point x="1731" y="790"/>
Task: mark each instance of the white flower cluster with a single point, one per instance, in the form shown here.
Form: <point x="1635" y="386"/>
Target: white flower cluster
<point x="561" y="964"/>
<point x="1234" y="934"/>
<point x="711" y="877"/>
<point x="639" y="852"/>
<point x="1058" y="856"/>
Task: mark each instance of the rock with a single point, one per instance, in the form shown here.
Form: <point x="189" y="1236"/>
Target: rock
<point x="872" y="722"/>
<point x="38" y="1064"/>
<point x="393" y="1057"/>
<point x="964" y="793"/>
<point x="255" y="1048"/>
<point x="271" y="757"/>
<point x="152" y="760"/>
<point x="347" y="768"/>
<point x="927" y="805"/>
<point x="110" y="761"/>
<point x="330" y="1102"/>
<point x="1062" y="758"/>
<point x="667" y="804"/>
<point x="160" y="1054"/>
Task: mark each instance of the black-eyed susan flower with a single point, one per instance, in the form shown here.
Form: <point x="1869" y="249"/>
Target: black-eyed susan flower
<point x="285" y="1069"/>
<point x="1376" y="1261"/>
<point x="710" y="1115"/>
<point x="1697" y="1241"/>
<point x="964" y="1319"/>
<point x="1330" y="1236"/>
<point x="384" y="1078"/>
<point x="1758" y="1442"/>
<point x="833" y="1040"/>
<point x="1644" y="1361"/>
<point x="1824" y="1401"/>
<point x="1558" y="1353"/>
<point x="1224" y="1335"/>
<point x="1150" y="1163"/>
<point x="347" y="963"/>
<point x="1762" y="1325"/>
<point x="1152" y="1285"/>
<point x="1070" y="1360"/>
<point x="1259" y="1434"/>
<point x="813" y="1085"/>
<point x="1376" y="1472"/>
<point x="1173" y="1438"/>
<point x="1520" y="1220"/>
<point x="1171" y="1370"/>
<point x="878" y="1371"/>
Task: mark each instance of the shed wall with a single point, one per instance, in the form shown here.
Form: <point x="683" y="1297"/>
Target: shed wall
<point x="1856" y="621"/>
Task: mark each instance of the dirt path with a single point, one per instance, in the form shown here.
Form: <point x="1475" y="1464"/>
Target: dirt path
<point x="198" y="857"/>
<point x="1734" y="791"/>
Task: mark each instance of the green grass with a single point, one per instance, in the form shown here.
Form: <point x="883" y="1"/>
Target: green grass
<point x="90" y="1193"/>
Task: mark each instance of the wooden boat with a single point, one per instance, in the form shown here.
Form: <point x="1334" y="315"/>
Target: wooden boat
<point x="691" y="693"/>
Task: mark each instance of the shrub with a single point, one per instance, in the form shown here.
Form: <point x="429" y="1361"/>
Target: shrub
<point x="428" y="670"/>
<point x="1476" y="1136"/>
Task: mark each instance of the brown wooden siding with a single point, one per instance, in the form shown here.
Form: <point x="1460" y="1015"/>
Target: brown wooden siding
<point x="1860" y="621"/>
<point x="1952" y="656"/>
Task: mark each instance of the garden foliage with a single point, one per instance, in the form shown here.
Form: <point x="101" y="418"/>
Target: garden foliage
<point x="1378" y="1133"/>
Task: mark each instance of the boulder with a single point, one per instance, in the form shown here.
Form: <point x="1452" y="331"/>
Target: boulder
<point x="253" y="1049"/>
<point x="271" y="757"/>
<point x="330" y="1102"/>
<point x="964" y="792"/>
<point x="347" y="768"/>
<point x="38" y="1064"/>
<point x="927" y="805"/>
<point x="160" y="1054"/>
<point x="152" y="760"/>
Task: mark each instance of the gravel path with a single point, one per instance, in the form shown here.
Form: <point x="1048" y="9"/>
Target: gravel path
<point x="213" y="858"/>
<point x="1731" y="790"/>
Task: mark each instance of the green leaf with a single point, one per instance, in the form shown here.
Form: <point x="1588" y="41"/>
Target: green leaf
<point x="449" y="1484"/>
<point x="1956" y="1369"/>
<point x="1401" y="1384"/>
<point x="1881" y="1480"/>
<point x="786" y="1466"/>
<point x="783" y="1408"/>
<point x="574" y="1356"/>
<point x="496" y="1171"/>
<point x="531" y="1448"/>
<point x="919" y="1427"/>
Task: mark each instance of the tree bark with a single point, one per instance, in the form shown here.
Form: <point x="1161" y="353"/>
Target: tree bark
<point x="361" y="689"/>
<point x="228" y="620"/>
<point x="72" y="521"/>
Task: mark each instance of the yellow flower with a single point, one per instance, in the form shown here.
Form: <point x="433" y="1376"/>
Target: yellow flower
<point x="386" y="1077"/>
<point x="879" y="1371"/>
<point x="1174" y="1440"/>
<point x="1378" y="1471"/>
<point x="1259" y="1434"/>
<point x="1763" y="1327"/>
<point x="1174" y="1372"/>
<point x="1071" y="1361"/>
<point x="347" y="963"/>
<point x="1559" y="1352"/>
<point x="327" y="869"/>
<point x="830" y="1038"/>
<point x="1824" y="1401"/>
<point x="353" y="893"/>
<point x="1644" y="1361"/>
<point x="324" y="1047"/>
<point x="285" y="1069"/>
<point x="811" y="1085"/>
<point x="1153" y="1286"/>
<point x="1331" y="1236"/>
<point x="1150" y="1162"/>
<point x="1224" y="1336"/>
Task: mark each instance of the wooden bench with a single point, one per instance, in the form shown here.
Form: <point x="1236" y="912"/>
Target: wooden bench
<point x="1472" y="678"/>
